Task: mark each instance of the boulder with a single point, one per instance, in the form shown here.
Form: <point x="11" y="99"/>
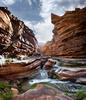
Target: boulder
<point x="42" y="92"/>
<point x="69" y="35"/>
<point x="77" y="75"/>
<point x="49" y="64"/>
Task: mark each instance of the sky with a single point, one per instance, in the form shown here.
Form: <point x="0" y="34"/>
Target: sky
<point x="36" y="14"/>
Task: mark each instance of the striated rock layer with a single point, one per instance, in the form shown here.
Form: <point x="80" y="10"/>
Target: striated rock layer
<point x="13" y="71"/>
<point x="15" y="37"/>
<point x="69" y="39"/>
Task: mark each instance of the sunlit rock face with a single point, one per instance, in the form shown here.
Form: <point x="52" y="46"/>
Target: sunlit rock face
<point x="15" y="37"/>
<point x="11" y="71"/>
<point x="69" y="38"/>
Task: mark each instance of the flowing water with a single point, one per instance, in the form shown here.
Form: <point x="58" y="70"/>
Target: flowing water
<point x="65" y="86"/>
<point x="42" y="75"/>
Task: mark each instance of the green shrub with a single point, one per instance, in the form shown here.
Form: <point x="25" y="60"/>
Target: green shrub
<point x="80" y="94"/>
<point x="5" y="91"/>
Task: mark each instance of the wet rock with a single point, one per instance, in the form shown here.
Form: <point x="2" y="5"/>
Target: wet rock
<point x="19" y="70"/>
<point x="69" y="39"/>
<point x="15" y="37"/>
<point x="14" y="91"/>
<point x="42" y="92"/>
<point x="66" y="74"/>
<point x="84" y="98"/>
<point x="24" y="85"/>
<point x="49" y="64"/>
<point x="81" y="80"/>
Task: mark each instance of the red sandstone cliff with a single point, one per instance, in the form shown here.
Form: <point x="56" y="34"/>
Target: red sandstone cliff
<point x="69" y="38"/>
<point x="15" y="37"/>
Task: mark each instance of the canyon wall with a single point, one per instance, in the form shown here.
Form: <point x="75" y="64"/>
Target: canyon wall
<point x="69" y="35"/>
<point x="15" y="37"/>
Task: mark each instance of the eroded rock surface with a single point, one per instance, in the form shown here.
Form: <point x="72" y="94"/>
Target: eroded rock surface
<point x="69" y="38"/>
<point x="42" y="92"/>
<point x="13" y="68"/>
<point x="72" y="75"/>
<point x="15" y="37"/>
<point x="19" y="70"/>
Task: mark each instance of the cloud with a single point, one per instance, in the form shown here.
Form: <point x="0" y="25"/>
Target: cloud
<point x="31" y="2"/>
<point x="46" y="7"/>
<point x="40" y="11"/>
<point x="8" y="2"/>
<point x="59" y="6"/>
<point x="62" y="6"/>
<point x="44" y="30"/>
<point x="29" y="24"/>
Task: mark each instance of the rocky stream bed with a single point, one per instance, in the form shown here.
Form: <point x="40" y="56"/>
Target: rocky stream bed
<point x="54" y="78"/>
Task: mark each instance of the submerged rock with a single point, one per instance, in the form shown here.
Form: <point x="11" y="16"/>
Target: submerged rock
<point x="15" y="37"/>
<point x="69" y="39"/>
